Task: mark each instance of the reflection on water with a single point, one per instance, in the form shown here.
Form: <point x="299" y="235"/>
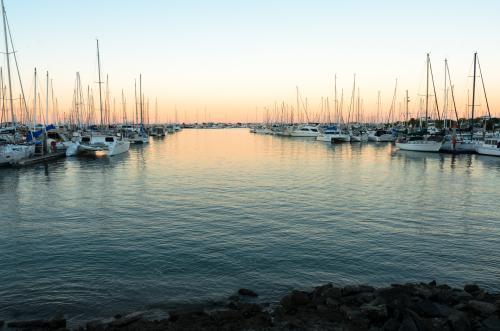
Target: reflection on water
<point x="203" y="212"/>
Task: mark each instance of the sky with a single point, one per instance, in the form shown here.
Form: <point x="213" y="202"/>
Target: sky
<point x="229" y="60"/>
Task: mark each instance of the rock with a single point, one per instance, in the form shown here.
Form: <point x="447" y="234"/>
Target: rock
<point x="432" y="283"/>
<point x="332" y="303"/>
<point x="356" y="289"/>
<point x="471" y="288"/>
<point x="38" y="324"/>
<point x="322" y="309"/>
<point x="286" y="302"/>
<point x="127" y="320"/>
<point x="431" y="309"/>
<point x="408" y="325"/>
<point x="247" y="292"/>
<point x="458" y="321"/>
<point x="485" y="308"/>
<point x="492" y="323"/>
<point x="299" y="298"/>
<point x="2" y="322"/>
<point x="391" y="325"/>
<point x="118" y="316"/>
<point x="375" y="313"/>
<point x="333" y="292"/>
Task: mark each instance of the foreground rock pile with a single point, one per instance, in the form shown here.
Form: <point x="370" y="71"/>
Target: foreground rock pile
<point x="398" y="307"/>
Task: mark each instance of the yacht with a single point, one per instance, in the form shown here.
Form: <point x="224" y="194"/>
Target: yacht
<point x="381" y="135"/>
<point x="490" y="146"/>
<point x="157" y="131"/>
<point x="333" y="134"/>
<point x="305" y="131"/>
<point x="98" y="144"/>
<point x="13" y="153"/>
<point x="419" y="144"/>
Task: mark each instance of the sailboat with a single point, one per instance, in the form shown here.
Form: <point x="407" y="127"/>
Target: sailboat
<point x="98" y="142"/>
<point x="421" y="142"/>
<point x="458" y="142"/>
<point x="13" y="147"/>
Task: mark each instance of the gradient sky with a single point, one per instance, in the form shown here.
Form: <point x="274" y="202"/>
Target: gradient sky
<point x="234" y="57"/>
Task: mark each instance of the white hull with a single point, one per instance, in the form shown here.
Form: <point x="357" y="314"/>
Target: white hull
<point x="420" y="146"/>
<point x="324" y="137"/>
<point x="341" y="138"/>
<point x="12" y="153"/>
<point x="382" y="138"/>
<point x="460" y="147"/>
<point x="492" y="151"/>
<point x="359" y="138"/>
<point x="303" y="134"/>
<point x="108" y="146"/>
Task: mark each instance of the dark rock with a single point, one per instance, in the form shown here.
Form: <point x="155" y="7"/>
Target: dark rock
<point x="332" y="303"/>
<point x="2" y="322"/>
<point x="356" y="289"/>
<point x="333" y="292"/>
<point x="286" y="303"/>
<point x="471" y="288"/>
<point x="322" y="309"/>
<point x="118" y="316"/>
<point x="247" y="292"/>
<point x="375" y="313"/>
<point x="431" y="309"/>
<point x="127" y="320"/>
<point x="432" y="283"/>
<point x="408" y="325"/>
<point x="484" y="308"/>
<point x="391" y="325"/>
<point x="492" y="323"/>
<point x="38" y="324"/>
<point x="299" y="298"/>
<point x="458" y="321"/>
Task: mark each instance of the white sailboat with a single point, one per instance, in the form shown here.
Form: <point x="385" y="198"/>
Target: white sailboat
<point x="490" y="146"/>
<point x="423" y="143"/>
<point x="13" y="148"/>
<point x="305" y="130"/>
<point x="99" y="142"/>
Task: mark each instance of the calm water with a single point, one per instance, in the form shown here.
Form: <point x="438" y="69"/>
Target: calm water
<point x="204" y="212"/>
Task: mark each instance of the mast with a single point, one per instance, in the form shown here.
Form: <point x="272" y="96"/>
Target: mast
<point x="336" y="101"/>
<point x="473" y="93"/>
<point x="140" y="99"/>
<point x="407" y="102"/>
<point x="11" y="102"/>
<point x="135" y="93"/>
<point x="427" y="92"/>
<point x="445" y="103"/>
<point x="34" y="106"/>
<point x="47" y="103"/>
<point x="99" y="82"/>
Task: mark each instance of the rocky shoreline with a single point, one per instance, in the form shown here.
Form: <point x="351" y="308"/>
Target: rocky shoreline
<point x="422" y="306"/>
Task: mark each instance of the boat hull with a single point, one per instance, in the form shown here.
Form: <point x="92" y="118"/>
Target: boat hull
<point x="491" y="151"/>
<point x="420" y="146"/>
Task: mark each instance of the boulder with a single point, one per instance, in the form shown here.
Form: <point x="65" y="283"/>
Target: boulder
<point x="126" y="320"/>
<point x="248" y="293"/>
<point x="458" y="321"/>
<point x="356" y="289"/>
<point x="375" y="313"/>
<point x="38" y="324"/>
<point x="471" y="288"/>
<point x="484" y="308"/>
<point x="299" y="298"/>
<point x="492" y="323"/>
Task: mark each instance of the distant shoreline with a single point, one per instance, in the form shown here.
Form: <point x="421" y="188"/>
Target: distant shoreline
<point x="412" y="306"/>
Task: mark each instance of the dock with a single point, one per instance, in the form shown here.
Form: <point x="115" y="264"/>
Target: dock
<point x="41" y="158"/>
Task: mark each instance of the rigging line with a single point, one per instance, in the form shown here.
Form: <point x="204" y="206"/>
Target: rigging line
<point x="17" y="65"/>
<point x="434" y="88"/>
<point x="484" y="88"/>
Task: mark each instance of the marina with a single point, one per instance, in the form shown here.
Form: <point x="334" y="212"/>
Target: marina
<point x="230" y="165"/>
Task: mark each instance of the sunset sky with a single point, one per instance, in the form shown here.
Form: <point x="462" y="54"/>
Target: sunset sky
<point x="233" y="57"/>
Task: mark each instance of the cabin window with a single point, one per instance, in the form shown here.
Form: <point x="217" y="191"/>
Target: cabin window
<point x="109" y="139"/>
<point x="86" y="139"/>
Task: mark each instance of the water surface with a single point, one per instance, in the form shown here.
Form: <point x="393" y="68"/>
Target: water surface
<point x="197" y="215"/>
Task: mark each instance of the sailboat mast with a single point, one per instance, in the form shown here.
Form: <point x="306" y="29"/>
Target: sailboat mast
<point x="11" y="102"/>
<point x="47" y="102"/>
<point x="99" y="82"/>
<point x="140" y="99"/>
<point x="473" y="93"/>
<point x="427" y="92"/>
<point x="445" y="104"/>
<point x="34" y="106"/>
